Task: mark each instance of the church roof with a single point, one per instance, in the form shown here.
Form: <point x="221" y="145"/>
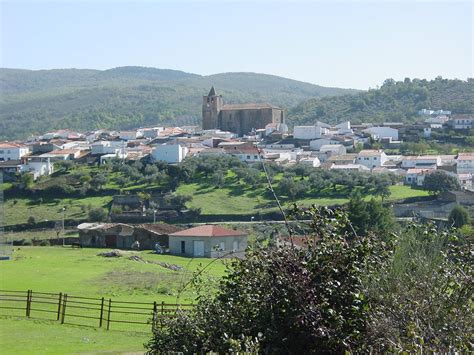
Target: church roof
<point x="252" y="106"/>
<point x="212" y="92"/>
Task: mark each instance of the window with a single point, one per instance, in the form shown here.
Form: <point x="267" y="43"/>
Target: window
<point x="222" y="246"/>
<point x="183" y="247"/>
<point x="255" y="156"/>
<point x="248" y="156"/>
<point x="1" y="151"/>
<point x="235" y="245"/>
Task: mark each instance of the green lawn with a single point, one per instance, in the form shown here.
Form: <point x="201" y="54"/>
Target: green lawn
<point x="243" y="199"/>
<point x="38" y="234"/>
<point x="31" y="336"/>
<point x="80" y="272"/>
<point x="18" y="210"/>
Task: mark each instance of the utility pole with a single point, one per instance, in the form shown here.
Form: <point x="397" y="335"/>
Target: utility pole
<point x="64" y="215"/>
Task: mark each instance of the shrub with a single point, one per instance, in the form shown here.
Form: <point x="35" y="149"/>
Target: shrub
<point x="44" y="243"/>
<point x="27" y="242"/>
<point x="97" y="215"/>
<point x="31" y="220"/>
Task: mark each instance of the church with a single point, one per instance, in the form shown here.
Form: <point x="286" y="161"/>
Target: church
<point x="238" y="118"/>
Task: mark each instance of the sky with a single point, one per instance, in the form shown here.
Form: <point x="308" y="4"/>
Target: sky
<point x="350" y="44"/>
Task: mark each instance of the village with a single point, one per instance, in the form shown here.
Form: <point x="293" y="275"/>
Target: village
<point x="254" y="134"/>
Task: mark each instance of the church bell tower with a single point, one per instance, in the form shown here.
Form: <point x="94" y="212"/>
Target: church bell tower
<point x="211" y="106"/>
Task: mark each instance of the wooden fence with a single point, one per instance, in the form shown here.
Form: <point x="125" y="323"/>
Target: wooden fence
<point x="87" y="311"/>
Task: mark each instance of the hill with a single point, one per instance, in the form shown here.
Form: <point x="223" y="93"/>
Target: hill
<point x="393" y="101"/>
<point x="126" y="97"/>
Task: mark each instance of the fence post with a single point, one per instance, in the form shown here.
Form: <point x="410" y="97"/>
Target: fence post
<point x="64" y="308"/>
<point x="108" y="314"/>
<point x="28" y="302"/>
<point x="101" y="312"/>
<point x="162" y="313"/>
<point x="59" y="304"/>
<point x="154" y="319"/>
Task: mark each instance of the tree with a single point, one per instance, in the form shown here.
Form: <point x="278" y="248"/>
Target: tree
<point x="98" y="181"/>
<point x="439" y="181"/>
<point x="31" y="220"/>
<point x="459" y="217"/>
<point x="26" y="180"/>
<point x="97" y="215"/>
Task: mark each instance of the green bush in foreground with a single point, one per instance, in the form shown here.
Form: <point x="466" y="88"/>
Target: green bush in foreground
<point x="340" y="292"/>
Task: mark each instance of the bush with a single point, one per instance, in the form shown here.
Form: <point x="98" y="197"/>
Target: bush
<point x="27" y="242"/>
<point x="31" y="220"/>
<point x="338" y="293"/>
<point x="97" y="215"/>
<point x="459" y="217"/>
<point x="45" y="243"/>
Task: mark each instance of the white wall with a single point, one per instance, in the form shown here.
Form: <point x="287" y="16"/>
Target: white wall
<point x="170" y="153"/>
<point x="13" y="153"/>
<point x="308" y="132"/>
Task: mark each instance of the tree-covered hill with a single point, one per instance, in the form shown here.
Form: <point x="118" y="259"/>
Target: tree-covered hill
<point x="126" y="97"/>
<point x="393" y="101"/>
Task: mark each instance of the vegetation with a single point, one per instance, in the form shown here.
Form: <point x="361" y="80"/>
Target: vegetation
<point x="459" y="217"/>
<point x="127" y="97"/>
<point x="394" y="101"/>
<point x="439" y="181"/>
<point x="340" y="293"/>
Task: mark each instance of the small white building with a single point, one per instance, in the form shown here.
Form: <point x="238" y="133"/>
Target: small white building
<point x="309" y="132"/>
<point x="378" y="133"/>
<point x="107" y="147"/>
<point x="465" y="163"/>
<point x="333" y="149"/>
<point x="421" y="162"/>
<point x="39" y="167"/>
<point x="170" y="153"/>
<point x="12" y="151"/>
<point x="372" y="158"/>
<point x="318" y="143"/>
<point x="416" y="176"/>
<point x="310" y="161"/>
<point x="462" y="122"/>
<point x="130" y="135"/>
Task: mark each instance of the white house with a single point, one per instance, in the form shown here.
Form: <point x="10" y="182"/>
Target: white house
<point x="130" y="135"/>
<point x="107" y="147"/>
<point x="318" y="143"/>
<point x="462" y="122"/>
<point x="344" y="128"/>
<point x="170" y="153"/>
<point x="308" y="132"/>
<point x="465" y="163"/>
<point x="352" y="167"/>
<point x="12" y="151"/>
<point x="39" y="167"/>
<point x="372" y="158"/>
<point x="422" y="161"/>
<point x="416" y="176"/>
<point x="378" y="133"/>
<point x="310" y="161"/>
<point x="333" y="149"/>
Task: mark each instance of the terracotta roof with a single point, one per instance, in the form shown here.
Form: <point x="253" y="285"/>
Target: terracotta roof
<point x="208" y="230"/>
<point x="466" y="156"/>
<point x="11" y="145"/>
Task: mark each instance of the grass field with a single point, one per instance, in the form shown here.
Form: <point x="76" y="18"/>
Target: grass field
<point x="32" y="336"/>
<point x="81" y="272"/>
<point x="241" y="199"/>
<point x="18" y="210"/>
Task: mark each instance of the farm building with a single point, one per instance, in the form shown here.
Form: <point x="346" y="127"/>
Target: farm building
<point x="150" y="234"/>
<point x="119" y="235"/>
<point x="209" y="241"/>
<point x="108" y="235"/>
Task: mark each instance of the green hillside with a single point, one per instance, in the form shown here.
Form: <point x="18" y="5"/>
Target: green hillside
<point x="393" y="101"/>
<point x="126" y="97"/>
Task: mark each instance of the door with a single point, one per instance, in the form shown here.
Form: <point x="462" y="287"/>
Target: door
<point x="111" y="241"/>
<point x="198" y="247"/>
